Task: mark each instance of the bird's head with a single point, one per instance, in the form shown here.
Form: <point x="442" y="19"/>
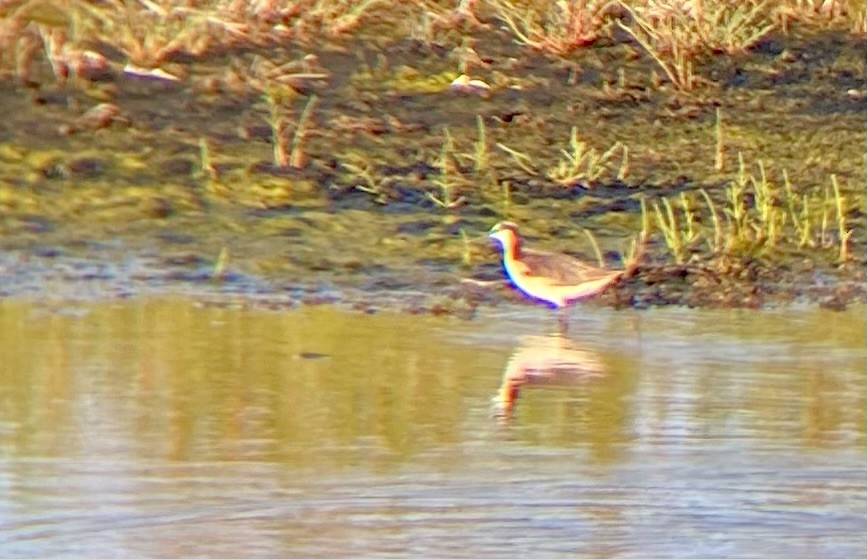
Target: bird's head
<point x="506" y="233"/>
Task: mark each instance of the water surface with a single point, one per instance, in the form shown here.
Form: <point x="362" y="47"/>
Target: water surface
<point x="168" y="428"/>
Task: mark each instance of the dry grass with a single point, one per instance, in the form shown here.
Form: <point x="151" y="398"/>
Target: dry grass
<point x="554" y="25"/>
<point x="850" y="15"/>
<point x="680" y="35"/>
<point x="150" y="32"/>
<point x="677" y="34"/>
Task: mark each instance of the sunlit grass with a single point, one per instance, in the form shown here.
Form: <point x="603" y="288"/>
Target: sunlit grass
<point x="680" y="36"/>
<point x="366" y="179"/>
<point x="553" y="25"/>
<point x="757" y="213"/>
<point x="581" y="162"/>
<point x="578" y="162"/>
<point x="449" y="179"/>
<point x="676" y="34"/>
<point x="207" y="165"/>
<point x="756" y="217"/>
<point x="480" y="154"/>
<point x="150" y="32"/>
<point x="850" y="15"/>
<point x="677" y="226"/>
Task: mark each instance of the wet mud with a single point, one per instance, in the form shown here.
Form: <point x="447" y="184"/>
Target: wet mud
<point x="120" y="185"/>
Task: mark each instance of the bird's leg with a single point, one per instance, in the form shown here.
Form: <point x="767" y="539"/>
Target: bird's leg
<point x="563" y="319"/>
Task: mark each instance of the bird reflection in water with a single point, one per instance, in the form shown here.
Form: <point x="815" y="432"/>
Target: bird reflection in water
<point x="548" y="361"/>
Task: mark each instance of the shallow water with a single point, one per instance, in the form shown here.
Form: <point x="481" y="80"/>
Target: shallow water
<point x="166" y="428"/>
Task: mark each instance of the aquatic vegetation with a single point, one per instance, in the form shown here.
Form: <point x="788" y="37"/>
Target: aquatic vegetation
<point x="677" y="227"/>
<point x="757" y="217"/>
<point x="728" y="27"/>
<point x="677" y="34"/>
<point x="844" y="233"/>
<point x="666" y="42"/>
<point x="277" y="122"/>
<point x="280" y="86"/>
<point x="221" y="264"/>
<point x="522" y="160"/>
<point x="362" y="169"/>
<point x="580" y="162"/>
<point x="596" y="250"/>
<point x="449" y="179"/>
<point x="297" y="157"/>
<point x="480" y="147"/>
<point x="207" y="165"/>
<point x="151" y="33"/>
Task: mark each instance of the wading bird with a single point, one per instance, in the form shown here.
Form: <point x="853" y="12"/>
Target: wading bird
<point x="557" y="279"/>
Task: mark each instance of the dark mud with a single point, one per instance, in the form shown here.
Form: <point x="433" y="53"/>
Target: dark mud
<point x="106" y="189"/>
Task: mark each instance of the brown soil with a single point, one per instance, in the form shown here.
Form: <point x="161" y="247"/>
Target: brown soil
<point x="102" y="190"/>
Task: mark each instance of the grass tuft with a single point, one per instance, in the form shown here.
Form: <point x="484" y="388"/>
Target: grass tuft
<point x="580" y="162"/>
<point x="555" y="26"/>
<point x="758" y="218"/>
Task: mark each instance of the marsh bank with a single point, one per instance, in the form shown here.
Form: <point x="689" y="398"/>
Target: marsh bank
<point x="402" y="175"/>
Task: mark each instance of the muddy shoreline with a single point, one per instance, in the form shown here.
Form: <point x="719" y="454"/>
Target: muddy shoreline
<point x="51" y="275"/>
<point x="177" y="191"/>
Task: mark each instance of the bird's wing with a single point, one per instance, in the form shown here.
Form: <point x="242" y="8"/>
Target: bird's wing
<point x="562" y="269"/>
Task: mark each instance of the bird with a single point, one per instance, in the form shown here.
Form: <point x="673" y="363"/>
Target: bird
<point x="550" y="360"/>
<point x="554" y="278"/>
